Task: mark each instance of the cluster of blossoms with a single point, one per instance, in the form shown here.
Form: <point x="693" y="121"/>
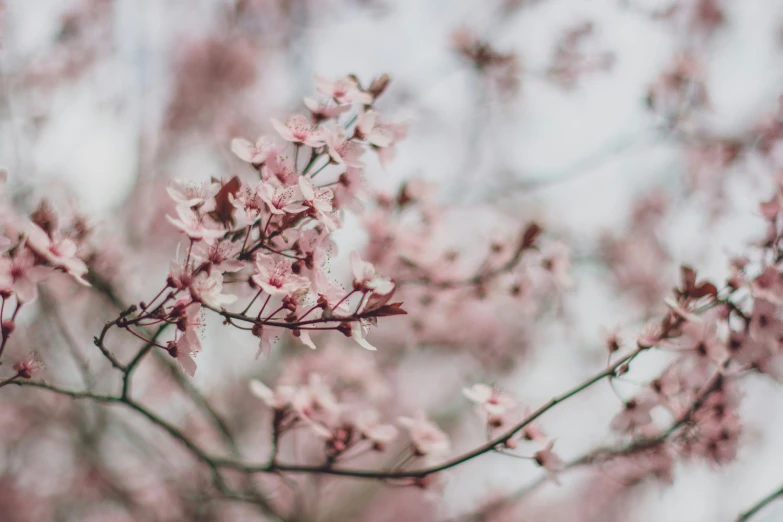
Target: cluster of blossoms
<point x="499" y="410"/>
<point x="256" y="253"/>
<point x="32" y="250"/>
<point x="339" y="398"/>
<point x="345" y="426"/>
<point x="480" y="299"/>
<point x="714" y="338"/>
<point x="273" y="233"/>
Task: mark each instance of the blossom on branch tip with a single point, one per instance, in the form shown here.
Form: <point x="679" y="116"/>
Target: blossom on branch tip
<point x="330" y="293"/>
<point x="341" y="149"/>
<point x="369" y="129"/>
<point x="298" y="129"/>
<point x="324" y="111"/>
<point x="249" y="202"/>
<point x="319" y="200"/>
<point x="257" y="153"/>
<point x="192" y="224"/>
<point x="183" y="350"/>
<point x="28" y="366"/>
<point x="280" y="168"/>
<point x="190" y="193"/>
<point x="277" y="277"/>
<point x="495" y="402"/>
<point x="265" y="334"/>
<point x="366" y="279"/>
<point x="20" y="274"/>
<point x="60" y="252"/>
<point x="221" y="255"/>
<point x="344" y="90"/>
<point x="281" y="200"/>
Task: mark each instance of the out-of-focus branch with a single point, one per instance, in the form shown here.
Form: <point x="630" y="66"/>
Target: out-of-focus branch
<point x="758" y="506"/>
<point x="173" y="431"/>
<point x="215" y="463"/>
<point x="597" y="456"/>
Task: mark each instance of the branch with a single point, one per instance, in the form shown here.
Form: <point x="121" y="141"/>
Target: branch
<point x="597" y="456"/>
<point x="129" y="369"/>
<point x="417" y="473"/>
<point x="193" y="448"/>
<point x="758" y="506"/>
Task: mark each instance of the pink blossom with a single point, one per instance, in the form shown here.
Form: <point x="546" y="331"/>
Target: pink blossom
<point x="342" y="150"/>
<point x="365" y="277"/>
<point x="20" y="274"/>
<point x="249" y="201"/>
<point x="190" y="193"/>
<point x="257" y="153"/>
<point x="266" y="334"/>
<point x="222" y="255"/>
<point x="320" y="202"/>
<point x="331" y="292"/>
<point x="281" y="200"/>
<point x="180" y="275"/>
<point x="194" y="226"/>
<point x="277" y="277"/>
<point x="635" y="414"/>
<point x="761" y="348"/>
<point x="352" y="190"/>
<point x="703" y="350"/>
<point x="298" y="130"/>
<point x="28" y="366"/>
<point x="304" y="336"/>
<point x="314" y="241"/>
<point x="59" y="252"/>
<point x="345" y="90"/>
<point x="183" y="350"/>
<point x="281" y="169"/>
<point x="765" y="321"/>
<point x="370" y="129"/>
<point x="207" y="288"/>
<point x="428" y="439"/>
<point x="495" y="402"/>
<point x="188" y="343"/>
<point x="769" y="286"/>
<point x="324" y="111"/>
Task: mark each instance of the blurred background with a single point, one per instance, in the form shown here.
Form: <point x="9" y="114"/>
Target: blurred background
<point x="641" y="134"/>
